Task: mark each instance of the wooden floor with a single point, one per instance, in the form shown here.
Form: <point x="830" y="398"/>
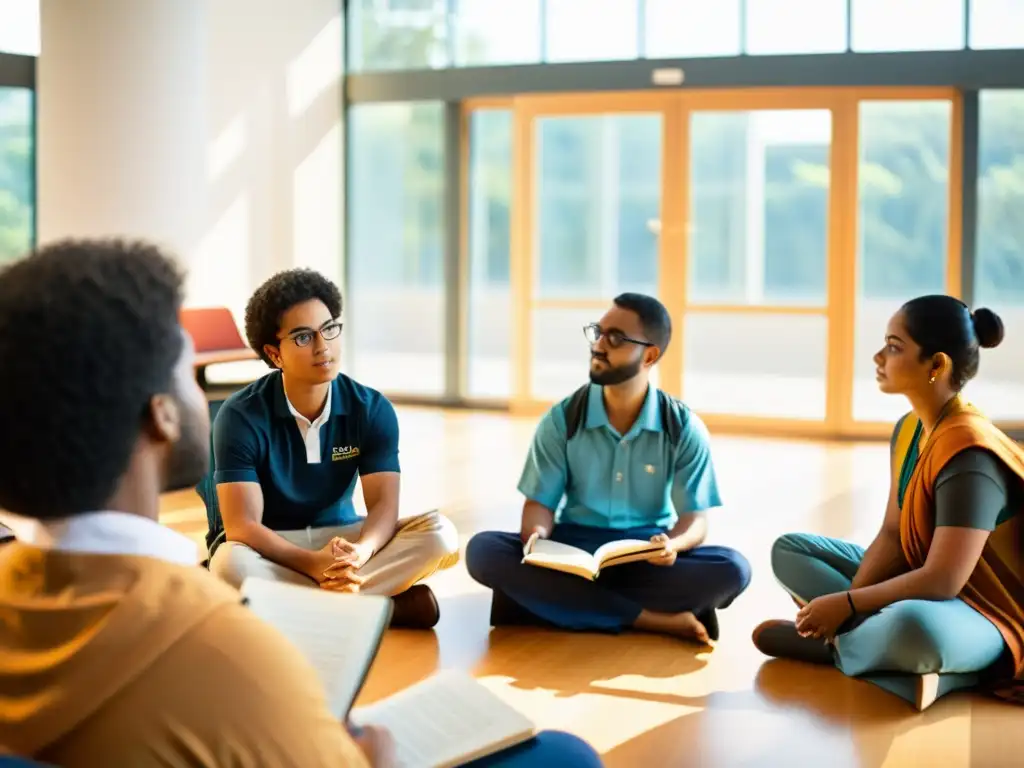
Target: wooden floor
<point x="644" y="700"/>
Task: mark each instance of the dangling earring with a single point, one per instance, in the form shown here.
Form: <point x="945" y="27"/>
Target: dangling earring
<point x="932" y="379"/>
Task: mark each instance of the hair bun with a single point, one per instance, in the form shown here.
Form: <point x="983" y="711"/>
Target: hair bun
<point x="988" y="327"/>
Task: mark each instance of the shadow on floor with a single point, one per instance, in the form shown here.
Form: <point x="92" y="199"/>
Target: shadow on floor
<point x="590" y="663"/>
<point x="832" y="701"/>
<point x="797" y="714"/>
<point x="787" y="714"/>
<point x="531" y="658"/>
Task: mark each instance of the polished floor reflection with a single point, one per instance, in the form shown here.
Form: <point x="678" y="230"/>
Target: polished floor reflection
<point x="648" y="700"/>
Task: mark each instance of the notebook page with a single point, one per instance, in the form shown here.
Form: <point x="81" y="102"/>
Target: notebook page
<point x="446" y="720"/>
<point x="544" y="550"/>
<point x="337" y="633"/>
<point x="615" y="549"/>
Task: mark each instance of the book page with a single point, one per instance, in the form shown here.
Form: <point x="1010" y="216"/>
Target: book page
<point x="560" y="557"/>
<point x="339" y="634"/>
<point x="614" y="550"/>
<point x="446" y="720"/>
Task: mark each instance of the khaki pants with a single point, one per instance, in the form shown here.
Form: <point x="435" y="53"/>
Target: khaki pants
<point x="421" y="546"/>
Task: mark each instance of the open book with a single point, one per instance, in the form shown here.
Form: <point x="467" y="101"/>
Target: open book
<point x="562" y="557"/>
<point x="339" y="634"/>
<point x="445" y="720"/>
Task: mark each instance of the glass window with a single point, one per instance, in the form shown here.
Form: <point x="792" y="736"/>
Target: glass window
<point x="999" y="270"/>
<point x="19" y="27"/>
<point x="768" y="365"/>
<point x="679" y="28"/>
<point x="903" y="218"/>
<point x="907" y="25"/>
<point x="598" y="203"/>
<point x="560" y="359"/>
<point x="592" y="30"/>
<point x="795" y="26"/>
<point x="498" y="32"/>
<point x="997" y="23"/>
<point x="560" y="354"/>
<point x="758" y="224"/>
<point x="397" y="34"/>
<point x="17" y="188"/>
<point x="395" y="302"/>
<point x="489" y="325"/>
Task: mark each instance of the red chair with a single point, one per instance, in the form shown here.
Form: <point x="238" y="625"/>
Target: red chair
<point x="216" y="339"/>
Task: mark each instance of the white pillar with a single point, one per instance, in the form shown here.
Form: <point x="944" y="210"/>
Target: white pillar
<point x="121" y="120"/>
<point x="211" y="126"/>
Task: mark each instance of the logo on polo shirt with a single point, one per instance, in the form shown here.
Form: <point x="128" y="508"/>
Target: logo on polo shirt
<point x="341" y="453"/>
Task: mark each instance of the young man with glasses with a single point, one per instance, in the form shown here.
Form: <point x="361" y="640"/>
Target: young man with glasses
<point x="617" y="460"/>
<point x="287" y="450"/>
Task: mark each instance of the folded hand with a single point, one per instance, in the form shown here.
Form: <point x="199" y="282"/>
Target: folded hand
<point x="823" y="616"/>
<point x="342" y="575"/>
<point x="342" y="578"/>
<point x="350" y="553"/>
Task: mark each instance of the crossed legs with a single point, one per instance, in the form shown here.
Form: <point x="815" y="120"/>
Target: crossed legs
<point x="421" y="546"/>
<point x="946" y="640"/>
<point x="701" y="581"/>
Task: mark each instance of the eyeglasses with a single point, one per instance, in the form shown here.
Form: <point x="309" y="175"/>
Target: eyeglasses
<point x="328" y="332"/>
<point x="615" y="339"/>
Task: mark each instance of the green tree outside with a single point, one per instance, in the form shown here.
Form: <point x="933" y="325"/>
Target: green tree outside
<point x="17" y="194"/>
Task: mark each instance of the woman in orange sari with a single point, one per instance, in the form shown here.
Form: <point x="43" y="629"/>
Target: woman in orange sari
<point x="936" y="602"/>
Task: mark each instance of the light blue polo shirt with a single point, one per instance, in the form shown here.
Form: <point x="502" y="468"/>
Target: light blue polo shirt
<point x="608" y="480"/>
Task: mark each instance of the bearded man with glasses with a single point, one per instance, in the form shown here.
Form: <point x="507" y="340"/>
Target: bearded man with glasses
<point x="287" y="451"/>
<point x="617" y="460"/>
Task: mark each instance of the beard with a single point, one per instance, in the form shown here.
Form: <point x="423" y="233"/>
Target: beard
<point x="189" y="460"/>
<point x="612" y="375"/>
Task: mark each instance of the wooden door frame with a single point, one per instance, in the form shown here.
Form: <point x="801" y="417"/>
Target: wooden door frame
<point x="676" y="108"/>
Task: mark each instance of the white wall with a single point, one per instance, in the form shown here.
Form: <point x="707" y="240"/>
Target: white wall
<point x="212" y="126"/>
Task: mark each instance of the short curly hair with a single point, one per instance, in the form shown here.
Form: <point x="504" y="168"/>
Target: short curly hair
<point x="279" y="294"/>
<point x="89" y="332"/>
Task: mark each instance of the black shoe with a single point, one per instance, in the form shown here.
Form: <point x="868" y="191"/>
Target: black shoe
<point x="710" y="621"/>
<point x="416" y="608"/>
<point x="781" y="640"/>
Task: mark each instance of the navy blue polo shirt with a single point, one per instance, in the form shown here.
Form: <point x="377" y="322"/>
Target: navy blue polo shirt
<point x="257" y="439"/>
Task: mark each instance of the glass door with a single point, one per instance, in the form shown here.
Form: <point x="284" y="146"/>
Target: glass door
<point x="758" y="244"/>
<point x="907" y="232"/>
<point x="591" y="221"/>
<point x="779" y="227"/>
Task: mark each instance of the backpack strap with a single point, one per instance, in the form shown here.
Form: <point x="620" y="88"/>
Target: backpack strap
<point x="576" y="411"/>
<point x="673" y="414"/>
<point x="673" y="417"/>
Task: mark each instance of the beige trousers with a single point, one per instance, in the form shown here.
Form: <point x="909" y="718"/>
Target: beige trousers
<point x="421" y="546"/>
